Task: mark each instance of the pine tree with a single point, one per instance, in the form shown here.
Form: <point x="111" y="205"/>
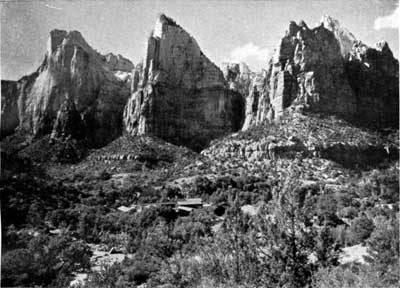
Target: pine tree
<point x="286" y="238"/>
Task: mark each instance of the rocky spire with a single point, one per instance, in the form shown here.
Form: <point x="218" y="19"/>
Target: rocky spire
<point x="325" y="70"/>
<point x="344" y="36"/>
<point x="71" y="67"/>
<point x="181" y="95"/>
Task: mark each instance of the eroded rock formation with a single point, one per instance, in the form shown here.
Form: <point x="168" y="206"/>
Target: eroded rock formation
<point x="9" y="107"/>
<point x="344" y="36"/>
<point x="179" y="95"/>
<point x="373" y="73"/>
<point x="316" y="70"/>
<point x="70" y="70"/>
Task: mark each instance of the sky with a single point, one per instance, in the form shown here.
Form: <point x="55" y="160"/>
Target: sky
<point x="233" y="31"/>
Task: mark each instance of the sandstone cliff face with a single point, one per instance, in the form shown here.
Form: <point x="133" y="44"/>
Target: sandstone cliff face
<point x="257" y="100"/>
<point x="71" y="72"/>
<point x="373" y="74"/>
<point x="344" y="36"/>
<point x="179" y="95"/>
<point x="309" y="73"/>
<point x="120" y="66"/>
<point x="118" y="63"/>
<point x="9" y="107"/>
<point x="238" y="76"/>
<point x="244" y="83"/>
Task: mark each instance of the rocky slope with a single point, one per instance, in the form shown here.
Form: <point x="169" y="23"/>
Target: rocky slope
<point x="179" y="95"/>
<point x="73" y="81"/>
<point x="325" y="70"/>
<point x="306" y="136"/>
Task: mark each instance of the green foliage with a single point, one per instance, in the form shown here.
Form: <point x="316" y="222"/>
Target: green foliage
<point x="45" y="261"/>
<point x="360" y="229"/>
<point x="348" y="277"/>
<point x="326" y="209"/>
<point x="326" y="248"/>
<point x="383" y="248"/>
<point x="107" y="277"/>
<point x="231" y="256"/>
<point x="287" y="237"/>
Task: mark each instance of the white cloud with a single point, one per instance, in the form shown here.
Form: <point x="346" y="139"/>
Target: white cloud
<point x="254" y="56"/>
<point x="388" y="21"/>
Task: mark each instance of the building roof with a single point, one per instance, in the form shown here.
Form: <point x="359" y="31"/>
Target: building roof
<point x="125" y="209"/>
<point x="190" y="201"/>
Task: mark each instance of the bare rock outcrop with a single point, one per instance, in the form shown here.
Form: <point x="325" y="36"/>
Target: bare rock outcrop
<point x="120" y="66"/>
<point x="373" y="73"/>
<point x="343" y="35"/>
<point x="118" y="63"/>
<point x="257" y="100"/>
<point x="325" y="70"/>
<point x="238" y="76"/>
<point x="9" y="107"/>
<point x="179" y="95"/>
<point x="71" y="70"/>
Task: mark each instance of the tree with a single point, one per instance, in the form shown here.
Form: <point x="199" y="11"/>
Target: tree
<point x="231" y="256"/>
<point x="327" y="251"/>
<point x="360" y="229"/>
<point x="326" y="209"/>
<point x="383" y="249"/>
<point x="287" y="236"/>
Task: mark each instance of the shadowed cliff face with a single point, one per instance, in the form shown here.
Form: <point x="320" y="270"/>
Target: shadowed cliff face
<point x="306" y="70"/>
<point x="9" y="107"/>
<point x="71" y="71"/>
<point x="374" y="76"/>
<point x="179" y="95"/>
<point x="324" y="70"/>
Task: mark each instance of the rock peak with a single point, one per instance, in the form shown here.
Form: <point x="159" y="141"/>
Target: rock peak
<point x="344" y="36"/>
<point x="176" y="82"/>
<point x="161" y="25"/>
<point x="61" y="37"/>
<point x="164" y="19"/>
<point x="71" y="70"/>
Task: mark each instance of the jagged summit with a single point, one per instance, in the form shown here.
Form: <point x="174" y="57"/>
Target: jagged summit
<point x="345" y="37"/>
<point x="167" y="20"/>
<point x="58" y="38"/>
<point x="326" y="70"/>
<point x="179" y="94"/>
<point x="71" y="70"/>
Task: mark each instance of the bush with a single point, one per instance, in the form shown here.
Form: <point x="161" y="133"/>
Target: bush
<point x="360" y="229"/>
<point x="348" y="212"/>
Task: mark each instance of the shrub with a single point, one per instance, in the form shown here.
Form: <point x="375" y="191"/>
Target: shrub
<point x="360" y="229"/>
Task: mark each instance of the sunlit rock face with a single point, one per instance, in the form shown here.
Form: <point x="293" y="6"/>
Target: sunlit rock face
<point x="257" y="101"/>
<point x="325" y="70"/>
<point x="72" y="72"/>
<point x="344" y="36"/>
<point x="178" y="94"/>
<point x="242" y="81"/>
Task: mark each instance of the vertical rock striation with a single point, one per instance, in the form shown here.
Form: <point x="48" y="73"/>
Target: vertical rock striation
<point x="72" y="76"/>
<point x="325" y="70"/>
<point x="9" y="107"/>
<point x="373" y="73"/>
<point x="178" y="94"/>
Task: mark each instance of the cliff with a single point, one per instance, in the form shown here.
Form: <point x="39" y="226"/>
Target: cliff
<point x="179" y="95"/>
<point x="316" y="70"/>
<point x="9" y="107"/>
<point x="72" y="76"/>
